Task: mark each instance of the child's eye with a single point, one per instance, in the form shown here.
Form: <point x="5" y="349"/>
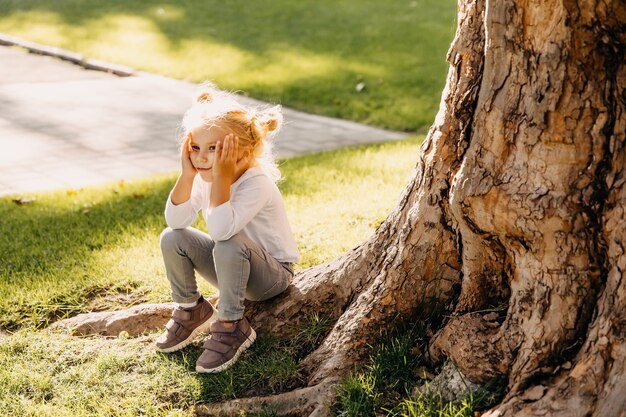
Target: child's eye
<point x="212" y="148"/>
<point x="195" y="147"/>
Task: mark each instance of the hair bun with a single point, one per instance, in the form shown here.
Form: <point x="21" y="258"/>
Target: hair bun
<point x="271" y="119"/>
<point x="271" y="125"/>
<point x="206" y="93"/>
<point x="204" y="96"/>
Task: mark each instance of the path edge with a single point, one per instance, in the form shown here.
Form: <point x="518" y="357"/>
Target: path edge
<point x="64" y="54"/>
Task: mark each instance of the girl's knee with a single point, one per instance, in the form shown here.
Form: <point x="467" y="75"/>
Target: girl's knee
<point x="170" y="238"/>
<point x="230" y="247"/>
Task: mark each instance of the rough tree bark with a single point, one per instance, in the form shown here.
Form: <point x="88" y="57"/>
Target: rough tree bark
<point x="517" y="204"/>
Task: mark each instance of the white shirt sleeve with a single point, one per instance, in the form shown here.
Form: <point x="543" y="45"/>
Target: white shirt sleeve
<point x="227" y="219"/>
<point x="183" y="215"/>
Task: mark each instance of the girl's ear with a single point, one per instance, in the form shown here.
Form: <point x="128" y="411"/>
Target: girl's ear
<point x="244" y="161"/>
<point x="246" y="154"/>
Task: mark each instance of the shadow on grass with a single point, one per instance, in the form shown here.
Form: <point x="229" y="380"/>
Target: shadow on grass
<point x="269" y="367"/>
<point x="51" y="247"/>
<point x="68" y="247"/>
<point x="266" y="368"/>
<point x="259" y="27"/>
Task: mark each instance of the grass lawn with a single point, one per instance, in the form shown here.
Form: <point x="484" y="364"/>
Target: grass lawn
<point x="76" y="250"/>
<point x="308" y="55"/>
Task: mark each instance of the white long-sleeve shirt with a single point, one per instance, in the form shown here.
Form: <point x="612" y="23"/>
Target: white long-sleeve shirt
<point x="256" y="209"/>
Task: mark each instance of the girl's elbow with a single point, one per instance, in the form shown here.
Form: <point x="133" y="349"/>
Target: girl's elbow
<point x="177" y="224"/>
<point x="218" y="237"/>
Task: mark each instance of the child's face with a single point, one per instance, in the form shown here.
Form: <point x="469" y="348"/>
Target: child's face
<point x="202" y="153"/>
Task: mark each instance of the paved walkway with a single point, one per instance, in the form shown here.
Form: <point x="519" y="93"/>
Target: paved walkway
<point x="64" y="126"/>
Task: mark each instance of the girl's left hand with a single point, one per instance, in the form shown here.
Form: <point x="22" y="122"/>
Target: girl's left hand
<point x="226" y="164"/>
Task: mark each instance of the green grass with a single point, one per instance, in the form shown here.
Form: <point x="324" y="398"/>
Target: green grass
<point x="434" y="406"/>
<point x="53" y="374"/>
<point x="397" y="365"/>
<point x="308" y="55"/>
<point x="72" y="251"/>
<point x="391" y="374"/>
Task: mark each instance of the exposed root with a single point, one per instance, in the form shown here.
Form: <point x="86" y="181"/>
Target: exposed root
<point x="471" y="341"/>
<point x="310" y="401"/>
<point x="134" y="321"/>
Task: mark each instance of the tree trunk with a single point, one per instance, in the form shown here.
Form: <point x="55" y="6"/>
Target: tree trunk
<point x="517" y="204"/>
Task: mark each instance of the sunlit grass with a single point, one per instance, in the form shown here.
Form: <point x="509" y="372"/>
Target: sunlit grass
<point x="307" y="55"/>
<point x="57" y="375"/>
<point x="54" y="374"/>
<point x="69" y="249"/>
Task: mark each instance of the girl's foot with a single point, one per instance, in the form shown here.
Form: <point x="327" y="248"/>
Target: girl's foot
<point x="227" y="342"/>
<point x="185" y="325"/>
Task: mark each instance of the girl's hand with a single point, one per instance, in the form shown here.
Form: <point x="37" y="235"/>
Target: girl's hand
<point x="187" y="168"/>
<point x="226" y="166"/>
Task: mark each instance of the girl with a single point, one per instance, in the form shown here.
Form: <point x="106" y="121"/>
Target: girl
<point x="227" y="172"/>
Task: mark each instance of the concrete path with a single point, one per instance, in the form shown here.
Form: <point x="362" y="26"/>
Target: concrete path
<point x="62" y="126"/>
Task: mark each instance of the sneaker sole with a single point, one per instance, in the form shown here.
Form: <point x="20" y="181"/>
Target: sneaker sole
<point x="201" y="329"/>
<point x="245" y="345"/>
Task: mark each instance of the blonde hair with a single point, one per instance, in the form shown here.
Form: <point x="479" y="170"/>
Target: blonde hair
<point x="253" y="125"/>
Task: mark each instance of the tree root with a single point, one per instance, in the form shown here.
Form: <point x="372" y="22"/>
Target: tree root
<point x="472" y="342"/>
<point x="135" y="321"/>
<point x="312" y="401"/>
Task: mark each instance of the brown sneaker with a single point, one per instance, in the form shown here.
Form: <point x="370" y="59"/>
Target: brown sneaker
<point x="185" y="325"/>
<point x="224" y="346"/>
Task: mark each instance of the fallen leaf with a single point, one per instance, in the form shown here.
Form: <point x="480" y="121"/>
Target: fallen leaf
<point x="24" y="200"/>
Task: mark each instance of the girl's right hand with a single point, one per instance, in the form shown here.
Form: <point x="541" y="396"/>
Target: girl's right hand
<point x="187" y="168"/>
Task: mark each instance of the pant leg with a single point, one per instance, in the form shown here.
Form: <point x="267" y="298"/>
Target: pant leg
<point x="245" y="270"/>
<point x="184" y="252"/>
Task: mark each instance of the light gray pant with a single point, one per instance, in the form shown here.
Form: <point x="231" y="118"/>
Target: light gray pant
<point x="239" y="267"/>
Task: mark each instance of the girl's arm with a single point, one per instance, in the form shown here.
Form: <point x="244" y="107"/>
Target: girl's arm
<point x="180" y="216"/>
<point x="220" y="191"/>
<point x="185" y="199"/>
<point x="182" y="189"/>
<point x="227" y="168"/>
<point x="227" y="219"/>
